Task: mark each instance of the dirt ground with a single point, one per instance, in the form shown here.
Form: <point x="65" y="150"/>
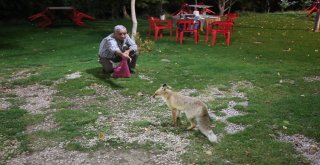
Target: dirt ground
<point x="38" y="99"/>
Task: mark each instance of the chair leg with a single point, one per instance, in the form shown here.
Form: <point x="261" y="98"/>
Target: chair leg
<point x="196" y="37"/>
<point x="213" y="38"/>
<point x="227" y="35"/>
<point x="177" y="35"/>
<point x="181" y="37"/>
<point x="156" y="31"/>
<point x="207" y="36"/>
<point x="170" y="34"/>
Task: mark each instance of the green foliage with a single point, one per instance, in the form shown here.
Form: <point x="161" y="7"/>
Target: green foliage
<point x="145" y="46"/>
<point x="286" y="3"/>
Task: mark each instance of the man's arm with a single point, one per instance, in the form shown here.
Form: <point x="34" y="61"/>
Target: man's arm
<point x="132" y="45"/>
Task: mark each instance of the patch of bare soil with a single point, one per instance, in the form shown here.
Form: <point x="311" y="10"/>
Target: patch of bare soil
<point x="47" y="124"/>
<point x="114" y="100"/>
<point x="10" y="147"/>
<point x="121" y="124"/>
<point x="307" y="147"/>
<point x="4" y="104"/>
<point x="22" y="74"/>
<point x="174" y="144"/>
<point x="59" y="156"/>
<point x="312" y="78"/>
<point x="37" y="97"/>
<point x="231" y="112"/>
<point x="74" y="75"/>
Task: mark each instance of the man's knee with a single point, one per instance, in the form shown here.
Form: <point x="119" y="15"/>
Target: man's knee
<point x="106" y="65"/>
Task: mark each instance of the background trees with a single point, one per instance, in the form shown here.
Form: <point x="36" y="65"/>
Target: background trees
<point x="21" y="9"/>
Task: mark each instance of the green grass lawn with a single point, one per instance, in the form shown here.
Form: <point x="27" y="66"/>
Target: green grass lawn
<point x="275" y="52"/>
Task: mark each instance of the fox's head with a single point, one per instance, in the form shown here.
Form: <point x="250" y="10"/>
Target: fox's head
<point x="161" y="90"/>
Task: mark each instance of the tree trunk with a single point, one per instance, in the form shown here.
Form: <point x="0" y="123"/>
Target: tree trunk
<point x="222" y="4"/>
<point x="115" y="11"/>
<point x="268" y="6"/>
<point x="125" y="13"/>
<point x="134" y="19"/>
<point x="317" y="21"/>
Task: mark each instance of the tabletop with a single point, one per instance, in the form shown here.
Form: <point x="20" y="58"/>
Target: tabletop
<point x="200" y="6"/>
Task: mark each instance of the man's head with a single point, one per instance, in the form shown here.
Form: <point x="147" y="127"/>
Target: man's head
<point x="120" y="32"/>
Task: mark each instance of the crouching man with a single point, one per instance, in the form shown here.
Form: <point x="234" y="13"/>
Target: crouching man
<point x="116" y="46"/>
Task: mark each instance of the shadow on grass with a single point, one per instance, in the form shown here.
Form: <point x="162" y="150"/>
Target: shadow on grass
<point x="97" y="72"/>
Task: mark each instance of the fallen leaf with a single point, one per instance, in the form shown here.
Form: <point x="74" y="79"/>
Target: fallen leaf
<point x="209" y="153"/>
<point x="102" y="136"/>
<point x="140" y="94"/>
<point x="287" y="50"/>
<point x="147" y="129"/>
<point x="284" y="127"/>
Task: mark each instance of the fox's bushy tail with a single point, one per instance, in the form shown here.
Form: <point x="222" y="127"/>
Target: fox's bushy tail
<point x="203" y="122"/>
<point x="212" y="137"/>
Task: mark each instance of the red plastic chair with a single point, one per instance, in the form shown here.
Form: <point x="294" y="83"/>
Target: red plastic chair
<point x="313" y="8"/>
<point x="219" y="27"/>
<point x="77" y="17"/>
<point x="158" y="26"/>
<point x="185" y="9"/>
<point x="187" y="26"/>
<point x="232" y="18"/>
<point x="44" y="15"/>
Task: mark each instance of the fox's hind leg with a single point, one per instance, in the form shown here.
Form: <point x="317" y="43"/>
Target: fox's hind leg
<point x="192" y="122"/>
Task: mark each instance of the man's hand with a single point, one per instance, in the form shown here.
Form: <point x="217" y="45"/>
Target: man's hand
<point x="125" y="54"/>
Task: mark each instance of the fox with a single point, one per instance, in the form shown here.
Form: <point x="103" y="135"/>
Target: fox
<point x="196" y="111"/>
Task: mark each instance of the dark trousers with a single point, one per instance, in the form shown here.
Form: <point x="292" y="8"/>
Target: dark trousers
<point x="107" y="62"/>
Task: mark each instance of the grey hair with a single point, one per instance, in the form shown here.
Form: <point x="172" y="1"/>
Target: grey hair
<point x="119" y="28"/>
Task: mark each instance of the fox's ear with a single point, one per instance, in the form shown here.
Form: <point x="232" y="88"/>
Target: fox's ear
<point x="164" y="87"/>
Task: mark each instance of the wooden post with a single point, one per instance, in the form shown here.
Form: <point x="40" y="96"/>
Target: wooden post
<point x="317" y="21"/>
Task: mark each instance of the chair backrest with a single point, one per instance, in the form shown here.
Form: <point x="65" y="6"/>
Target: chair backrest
<point x="231" y="17"/>
<point x="221" y="26"/>
<point x="187" y="25"/>
<point x="153" y="21"/>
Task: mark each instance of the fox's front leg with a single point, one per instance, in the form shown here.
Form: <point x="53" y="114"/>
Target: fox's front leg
<point x="174" y="116"/>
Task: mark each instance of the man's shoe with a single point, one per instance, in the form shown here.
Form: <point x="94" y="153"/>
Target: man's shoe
<point x="105" y="72"/>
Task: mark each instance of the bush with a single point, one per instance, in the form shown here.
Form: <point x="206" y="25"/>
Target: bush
<point x="144" y="45"/>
